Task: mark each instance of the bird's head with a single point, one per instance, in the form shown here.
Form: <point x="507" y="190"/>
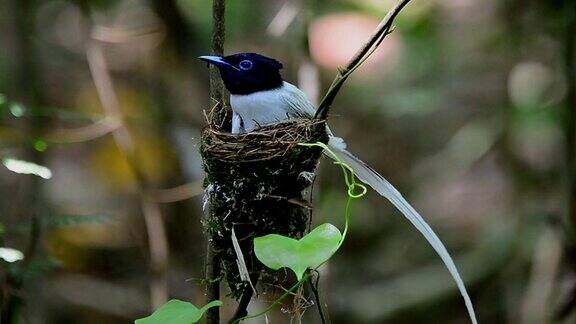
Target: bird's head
<point x="246" y="73"/>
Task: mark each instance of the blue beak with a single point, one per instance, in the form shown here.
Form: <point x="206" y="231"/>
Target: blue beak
<point x="217" y="61"/>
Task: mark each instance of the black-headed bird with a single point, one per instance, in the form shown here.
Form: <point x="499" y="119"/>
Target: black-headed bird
<point x="259" y="96"/>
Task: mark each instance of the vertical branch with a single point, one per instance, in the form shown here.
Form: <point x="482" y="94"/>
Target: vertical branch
<point x="570" y="107"/>
<point x="242" y="309"/>
<point x="308" y="75"/>
<point x="309" y="82"/>
<point x="383" y="29"/>
<point x="28" y="89"/>
<point x="155" y="230"/>
<point x="567" y="307"/>
<point x="217" y="118"/>
<point x="218" y="112"/>
<point x="314" y="288"/>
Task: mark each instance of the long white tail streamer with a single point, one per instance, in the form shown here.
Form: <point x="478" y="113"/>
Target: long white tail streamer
<point x="367" y="175"/>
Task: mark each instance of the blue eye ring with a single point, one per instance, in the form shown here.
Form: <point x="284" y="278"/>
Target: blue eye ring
<point x="245" y="65"/>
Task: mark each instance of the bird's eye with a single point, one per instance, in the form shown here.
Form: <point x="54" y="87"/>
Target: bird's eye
<point x="246" y="65"/>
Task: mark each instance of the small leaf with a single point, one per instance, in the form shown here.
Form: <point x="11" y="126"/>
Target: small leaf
<point x="40" y="145"/>
<point x="17" y="109"/>
<point x="10" y="255"/>
<point x="24" y="167"/>
<point x="277" y="251"/>
<point x="177" y="312"/>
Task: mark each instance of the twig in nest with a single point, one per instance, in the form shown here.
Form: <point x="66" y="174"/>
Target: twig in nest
<point x="383" y="29"/>
<point x="267" y="143"/>
<point x="299" y="202"/>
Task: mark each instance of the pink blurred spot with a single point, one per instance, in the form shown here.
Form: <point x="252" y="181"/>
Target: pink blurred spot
<point x="334" y="39"/>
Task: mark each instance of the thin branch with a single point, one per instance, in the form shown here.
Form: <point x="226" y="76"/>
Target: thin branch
<point x="298" y="202"/>
<point x="218" y="113"/>
<point x="119" y="35"/>
<point x="535" y="305"/>
<point x="568" y="306"/>
<point x="27" y="86"/>
<point x="156" y="232"/>
<point x="383" y="29"/>
<point x="570" y="106"/>
<point x="108" y="98"/>
<point x="159" y="252"/>
<point x="217" y="117"/>
<point x="212" y="282"/>
<point x="84" y="133"/>
<point x="178" y="193"/>
<point x="314" y="288"/>
<point x="283" y="18"/>
<point x="242" y="309"/>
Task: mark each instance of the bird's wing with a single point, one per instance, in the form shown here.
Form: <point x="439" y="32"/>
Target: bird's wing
<point x="297" y="103"/>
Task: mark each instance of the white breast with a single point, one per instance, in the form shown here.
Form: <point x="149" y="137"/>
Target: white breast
<point x="269" y="107"/>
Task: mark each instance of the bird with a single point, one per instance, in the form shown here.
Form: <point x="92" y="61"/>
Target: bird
<point x="259" y="96"/>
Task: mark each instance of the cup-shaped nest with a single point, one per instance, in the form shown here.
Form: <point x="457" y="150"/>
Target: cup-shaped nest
<point x="254" y="184"/>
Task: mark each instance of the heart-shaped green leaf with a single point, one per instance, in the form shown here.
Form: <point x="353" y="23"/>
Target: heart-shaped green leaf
<point x="177" y="312"/>
<point x="277" y="251"/>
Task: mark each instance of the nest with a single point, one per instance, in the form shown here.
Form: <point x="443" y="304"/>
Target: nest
<point x="254" y="184"/>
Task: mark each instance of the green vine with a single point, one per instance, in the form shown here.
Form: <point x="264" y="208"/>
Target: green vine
<point x="349" y="179"/>
<point x="326" y="240"/>
<point x="355" y="190"/>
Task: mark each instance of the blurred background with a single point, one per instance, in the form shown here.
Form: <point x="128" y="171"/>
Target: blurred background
<point x="468" y="107"/>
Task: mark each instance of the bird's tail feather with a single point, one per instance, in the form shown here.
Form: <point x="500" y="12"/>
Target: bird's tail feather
<point x="367" y="175"/>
